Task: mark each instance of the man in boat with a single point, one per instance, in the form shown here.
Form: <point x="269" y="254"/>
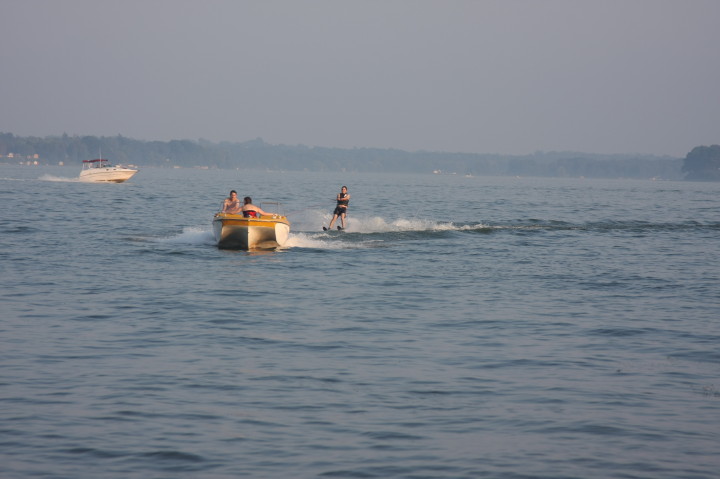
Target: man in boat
<point x="343" y="199"/>
<point x="232" y="204"/>
<point x="249" y="210"/>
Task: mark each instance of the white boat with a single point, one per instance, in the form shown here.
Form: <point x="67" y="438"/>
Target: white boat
<point x="234" y="231"/>
<point x="101" y="170"/>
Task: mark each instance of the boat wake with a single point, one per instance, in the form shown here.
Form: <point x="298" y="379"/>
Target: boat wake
<point x="369" y="232"/>
<point x="380" y="225"/>
<point x="58" y="179"/>
<point x="377" y="224"/>
<point x="190" y="236"/>
<point x="204" y="237"/>
<point x="377" y="232"/>
<point x="361" y="232"/>
<point x="314" y="240"/>
<point x="44" y="178"/>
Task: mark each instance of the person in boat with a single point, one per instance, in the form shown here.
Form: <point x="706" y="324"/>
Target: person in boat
<point x="231" y="204"/>
<point x="343" y="199"/>
<point x="249" y="210"/>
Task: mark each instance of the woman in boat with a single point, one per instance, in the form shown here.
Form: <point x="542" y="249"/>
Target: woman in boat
<point x="343" y="199"/>
<point x="249" y="210"/>
<point x="231" y="204"/>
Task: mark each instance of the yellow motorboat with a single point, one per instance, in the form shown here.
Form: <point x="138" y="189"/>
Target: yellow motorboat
<point x="235" y="231"/>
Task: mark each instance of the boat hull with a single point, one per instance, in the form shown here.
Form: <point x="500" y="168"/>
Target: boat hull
<point x="106" y="175"/>
<point x="237" y="232"/>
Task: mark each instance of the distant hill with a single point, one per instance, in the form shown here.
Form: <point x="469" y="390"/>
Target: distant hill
<point x="703" y="163"/>
<point x="256" y="154"/>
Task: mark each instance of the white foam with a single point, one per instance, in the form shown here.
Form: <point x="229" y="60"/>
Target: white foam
<point x="377" y="224"/>
<point x="313" y="240"/>
<point x="58" y="178"/>
<point x="331" y="239"/>
<point x="190" y="235"/>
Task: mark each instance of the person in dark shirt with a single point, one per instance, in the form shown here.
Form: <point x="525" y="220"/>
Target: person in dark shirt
<point x="343" y="199"/>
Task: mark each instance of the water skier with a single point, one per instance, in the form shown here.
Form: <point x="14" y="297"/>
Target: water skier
<point x="343" y="199"/>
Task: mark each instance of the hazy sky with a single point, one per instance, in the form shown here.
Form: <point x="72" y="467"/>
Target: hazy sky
<point x="495" y="76"/>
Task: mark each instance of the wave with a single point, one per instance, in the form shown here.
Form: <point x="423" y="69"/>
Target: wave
<point x="205" y="237"/>
<point x="314" y="240"/>
<point x="375" y="232"/>
<point x="58" y="179"/>
<point x="605" y="226"/>
<point x="189" y="235"/>
<point x="368" y="232"/>
<point x="380" y="225"/>
<point x="361" y="233"/>
<point x="377" y="224"/>
<point x="53" y="178"/>
<point x="648" y="226"/>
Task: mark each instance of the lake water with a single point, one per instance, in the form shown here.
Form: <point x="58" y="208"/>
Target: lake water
<point x="461" y="327"/>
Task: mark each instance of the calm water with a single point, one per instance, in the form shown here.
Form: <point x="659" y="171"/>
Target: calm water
<point x="460" y="328"/>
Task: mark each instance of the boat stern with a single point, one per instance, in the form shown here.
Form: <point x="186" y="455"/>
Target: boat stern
<point x="237" y="232"/>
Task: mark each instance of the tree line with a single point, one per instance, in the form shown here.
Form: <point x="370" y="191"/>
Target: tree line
<point x="701" y="162"/>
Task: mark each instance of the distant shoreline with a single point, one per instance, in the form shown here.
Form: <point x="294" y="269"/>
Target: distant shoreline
<point x="258" y="155"/>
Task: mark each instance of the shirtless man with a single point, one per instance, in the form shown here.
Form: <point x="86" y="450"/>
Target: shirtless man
<point x="231" y="204"/>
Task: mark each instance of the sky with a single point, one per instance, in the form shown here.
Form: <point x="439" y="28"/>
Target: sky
<point x="485" y="76"/>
